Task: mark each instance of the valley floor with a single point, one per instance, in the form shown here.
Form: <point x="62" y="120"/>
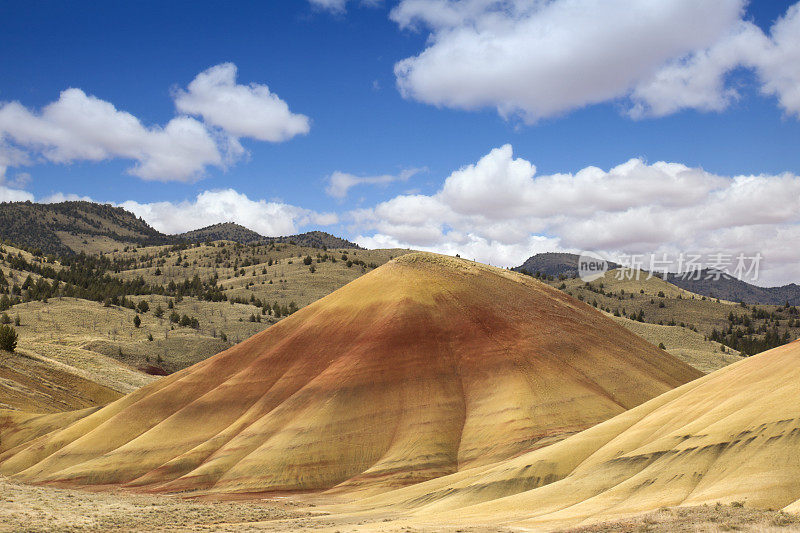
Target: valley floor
<point x="45" y="509"/>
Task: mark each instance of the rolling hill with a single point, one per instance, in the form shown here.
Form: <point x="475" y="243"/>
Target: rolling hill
<point x="730" y="437"/>
<point x="426" y="366"/>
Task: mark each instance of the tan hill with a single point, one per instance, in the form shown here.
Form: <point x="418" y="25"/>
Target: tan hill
<point x="43" y="378"/>
<point x="730" y="437"/>
<point x="423" y="367"/>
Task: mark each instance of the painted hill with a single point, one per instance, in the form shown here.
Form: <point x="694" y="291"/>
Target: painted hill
<point x="65" y="228"/>
<point x="731" y="436"/>
<point x="423" y="367"/>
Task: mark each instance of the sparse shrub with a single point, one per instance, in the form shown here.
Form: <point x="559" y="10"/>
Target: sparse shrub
<point x="16" y="321"/>
<point x="661" y="345"/>
<point x="8" y="338"/>
<point x="143" y="306"/>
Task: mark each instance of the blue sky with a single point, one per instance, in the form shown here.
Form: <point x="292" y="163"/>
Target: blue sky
<point x="334" y="62"/>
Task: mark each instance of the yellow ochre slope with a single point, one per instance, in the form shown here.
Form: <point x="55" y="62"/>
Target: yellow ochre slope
<point x="424" y="367"/>
<point x="730" y="436"/>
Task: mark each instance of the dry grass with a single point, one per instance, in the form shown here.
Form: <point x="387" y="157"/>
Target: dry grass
<point x="291" y="280"/>
<point x="26" y="508"/>
<point x="109" y="331"/>
<point x="705" y="518"/>
<point x="687" y="345"/>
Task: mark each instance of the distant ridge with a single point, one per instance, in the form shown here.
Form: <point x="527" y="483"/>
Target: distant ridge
<point x="67" y="228"/>
<point x="61" y="228"/>
<point x="231" y="231"/>
<point x="729" y="288"/>
<point x="317" y="239"/>
<point x="553" y="264"/>
<point x="726" y="287"/>
<point x="223" y="231"/>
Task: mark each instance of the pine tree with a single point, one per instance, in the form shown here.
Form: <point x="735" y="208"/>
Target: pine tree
<point x="8" y="338"/>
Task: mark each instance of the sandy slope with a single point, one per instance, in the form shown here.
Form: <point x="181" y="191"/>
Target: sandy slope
<point x="424" y="367"/>
<point x="731" y="436"/>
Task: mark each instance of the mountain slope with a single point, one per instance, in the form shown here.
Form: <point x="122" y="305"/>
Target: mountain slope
<point x="730" y="436"/>
<point x="423" y="367"/>
<point x="65" y="228"/>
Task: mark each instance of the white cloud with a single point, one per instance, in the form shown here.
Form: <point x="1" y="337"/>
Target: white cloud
<point x="340" y="183"/>
<point x="779" y="69"/>
<point x="81" y="127"/>
<point x="500" y="211"/>
<point x="240" y="110"/>
<point x="539" y="59"/>
<point x="269" y="218"/>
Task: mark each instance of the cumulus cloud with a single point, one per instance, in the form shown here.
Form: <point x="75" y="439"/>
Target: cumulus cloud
<point x="81" y="127"/>
<point x="240" y="110"/>
<point x="340" y="183"/>
<point x="539" y="59"/>
<point x="269" y="218"/>
<point x="78" y="126"/>
<point x="499" y="210"/>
